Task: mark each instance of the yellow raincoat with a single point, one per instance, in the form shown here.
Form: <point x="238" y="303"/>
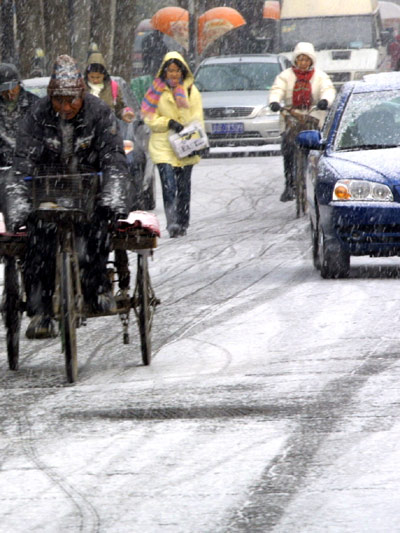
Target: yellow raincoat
<point x="159" y="146"/>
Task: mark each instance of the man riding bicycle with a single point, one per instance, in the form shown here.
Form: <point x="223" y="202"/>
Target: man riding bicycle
<point x="68" y="131"/>
<point x="300" y="87"/>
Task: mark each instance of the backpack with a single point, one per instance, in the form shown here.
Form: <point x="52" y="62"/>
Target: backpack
<point x="114" y="90"/>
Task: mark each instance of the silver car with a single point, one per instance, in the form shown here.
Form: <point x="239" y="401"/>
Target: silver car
<point x="235" y="93"/>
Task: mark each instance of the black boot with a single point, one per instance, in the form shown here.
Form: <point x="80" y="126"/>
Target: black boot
<point x="288" y="193"/>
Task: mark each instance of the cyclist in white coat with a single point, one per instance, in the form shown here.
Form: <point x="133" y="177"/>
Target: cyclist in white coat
<point x="300" y="87"/>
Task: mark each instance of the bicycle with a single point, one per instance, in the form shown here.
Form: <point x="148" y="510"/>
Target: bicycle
<point x="295" y="122"/>
<point x="66" y="200"/>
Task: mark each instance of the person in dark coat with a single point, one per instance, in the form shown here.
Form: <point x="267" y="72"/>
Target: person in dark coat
<point x="153" y="51"/>
<point x="14" y="103"/>
<point x="71" y="131"/>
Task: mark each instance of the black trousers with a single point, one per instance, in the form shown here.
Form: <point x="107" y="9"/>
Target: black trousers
<point x="176" y="190"/>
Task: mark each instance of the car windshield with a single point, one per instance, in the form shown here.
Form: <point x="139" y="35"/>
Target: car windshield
<point x="334" y="32"/>
<point x="237" y="76"/>
<point x="370" y="120"/>
<point x="39" y="90"/>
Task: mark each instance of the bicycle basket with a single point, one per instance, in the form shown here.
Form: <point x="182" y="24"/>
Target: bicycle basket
<point x="66" y="192"/>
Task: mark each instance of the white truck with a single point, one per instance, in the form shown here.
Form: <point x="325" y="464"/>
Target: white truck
<point x="348" y="35"/>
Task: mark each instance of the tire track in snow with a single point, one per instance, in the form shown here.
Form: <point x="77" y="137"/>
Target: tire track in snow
<point x="88" y="519"/>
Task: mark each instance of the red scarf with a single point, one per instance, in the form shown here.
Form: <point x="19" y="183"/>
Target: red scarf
<point x="302" y="95"/>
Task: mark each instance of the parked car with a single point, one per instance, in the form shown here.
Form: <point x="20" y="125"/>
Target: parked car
<point x="235" y="93"/>
<point x="142" y="169"/>
<point x="353" y="175"/>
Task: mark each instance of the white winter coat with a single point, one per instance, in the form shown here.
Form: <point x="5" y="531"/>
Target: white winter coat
<point x="321" y="88"/>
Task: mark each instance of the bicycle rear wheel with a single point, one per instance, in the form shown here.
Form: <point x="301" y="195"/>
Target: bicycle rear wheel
<point x="143" y="308"/>
<point x="12" y="309"/>
<point x="68" y="318"/>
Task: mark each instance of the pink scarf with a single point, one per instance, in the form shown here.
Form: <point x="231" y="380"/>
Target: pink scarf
<point x="153" y="95"/>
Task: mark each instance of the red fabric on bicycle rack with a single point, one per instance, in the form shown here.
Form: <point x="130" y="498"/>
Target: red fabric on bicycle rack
<point x="140" y="219"/>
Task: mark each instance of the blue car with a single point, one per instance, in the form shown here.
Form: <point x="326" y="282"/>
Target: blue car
<point x="353" y="175"/>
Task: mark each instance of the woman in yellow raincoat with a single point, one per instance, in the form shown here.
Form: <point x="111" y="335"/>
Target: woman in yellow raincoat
<point x="172" y="102"/>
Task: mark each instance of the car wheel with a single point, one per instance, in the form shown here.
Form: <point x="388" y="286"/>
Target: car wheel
<point x="314" y="242"/>
<point x="334" y="261"/>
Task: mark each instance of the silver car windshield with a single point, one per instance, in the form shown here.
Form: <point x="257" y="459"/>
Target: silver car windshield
<point x="370" y="120"/>
<point x="237" y="76"/>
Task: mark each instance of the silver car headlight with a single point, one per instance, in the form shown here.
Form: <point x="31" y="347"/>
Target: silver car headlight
<point x="361" y="190"/>
<point x="265" y="110"/>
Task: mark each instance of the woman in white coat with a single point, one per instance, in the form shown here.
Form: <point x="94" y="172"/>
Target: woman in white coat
<point x="300" y="87"/>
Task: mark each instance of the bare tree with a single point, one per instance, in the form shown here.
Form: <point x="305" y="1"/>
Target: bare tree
<point x="102" y="22"/>
<point x="56" y="16"/>
<point x="80" y="17"/>
<point x="125" y="22"/>
<point x="30" y="32"/>
<point x="8" y="54"/>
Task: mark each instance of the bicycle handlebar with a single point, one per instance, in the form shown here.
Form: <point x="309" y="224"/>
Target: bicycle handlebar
<point x="297" y="113"/>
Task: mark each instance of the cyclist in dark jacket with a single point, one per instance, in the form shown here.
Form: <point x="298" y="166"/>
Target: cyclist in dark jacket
<point x="71" y="131"/>
<point x="14" y="103"/>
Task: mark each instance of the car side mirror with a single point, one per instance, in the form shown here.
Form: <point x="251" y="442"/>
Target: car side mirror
<point x="310" y="139"/>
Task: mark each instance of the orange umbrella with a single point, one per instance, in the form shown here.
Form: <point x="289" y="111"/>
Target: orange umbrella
<point x="214" y="23"/>
<point x="173" y="21"/>
<point x="272" y="10"/>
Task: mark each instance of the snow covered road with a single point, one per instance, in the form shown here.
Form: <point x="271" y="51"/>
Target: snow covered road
<point x="272" y="402"/>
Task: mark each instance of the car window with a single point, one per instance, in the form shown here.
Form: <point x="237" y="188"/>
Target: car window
<point x="39" y="89"/>
<point x="370" y="120"/>
<point x="237" y="76"/>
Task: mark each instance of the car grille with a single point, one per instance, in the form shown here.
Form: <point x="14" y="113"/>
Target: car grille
<point x="227" y="112"/>
<point x="370" y="234"/>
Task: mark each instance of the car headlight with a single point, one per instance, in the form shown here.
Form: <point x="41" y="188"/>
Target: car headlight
<point x="361" y="190"/>
<point x="265" y="110"/>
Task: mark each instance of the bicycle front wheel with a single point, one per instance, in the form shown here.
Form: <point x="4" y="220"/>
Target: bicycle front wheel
<point x="12" y="309"/>
<point x="68" y="318"/>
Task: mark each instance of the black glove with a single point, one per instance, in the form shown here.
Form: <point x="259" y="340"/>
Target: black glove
<point x="322" y="104"/>
<point x="174" y="125"/>
<point x="275" y="106"/>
